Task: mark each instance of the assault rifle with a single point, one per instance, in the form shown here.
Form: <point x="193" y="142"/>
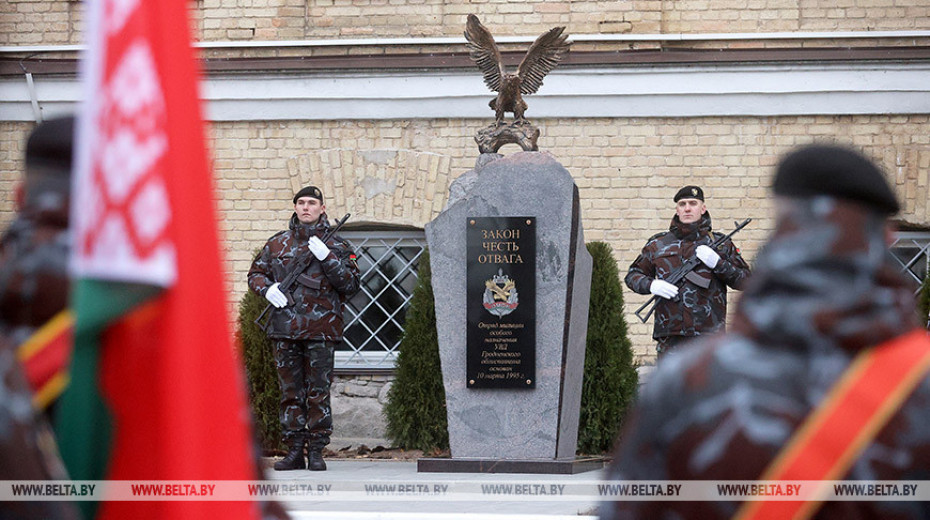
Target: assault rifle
<point x="298" y="268"/>
<point x="685" y="269"/>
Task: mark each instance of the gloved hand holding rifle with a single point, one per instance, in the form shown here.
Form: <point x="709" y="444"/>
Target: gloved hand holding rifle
<point x="668" y="287"/>
<point x="279" y="294"/>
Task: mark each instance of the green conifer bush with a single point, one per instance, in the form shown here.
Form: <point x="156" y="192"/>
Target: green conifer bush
<point x="261" y="375"/>
<point x="416" y="407"/>
<point x="610" y="379"/>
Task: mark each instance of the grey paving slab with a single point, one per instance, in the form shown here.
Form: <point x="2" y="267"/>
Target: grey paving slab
<point x="393" y="490"/>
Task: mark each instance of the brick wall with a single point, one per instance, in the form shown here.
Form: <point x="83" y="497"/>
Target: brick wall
<point x="32" y="22"/>
<point x="12" y="152"/>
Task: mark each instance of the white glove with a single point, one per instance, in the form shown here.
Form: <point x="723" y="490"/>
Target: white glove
<point x="318" y="248"/>
<point x="707" y="255"/>
<point x="663" y="289"/>
<point x="275" y="296"/>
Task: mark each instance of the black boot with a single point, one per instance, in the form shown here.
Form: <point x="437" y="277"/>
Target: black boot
<point x="294" y="458"/>
<point x="315" y="460"/>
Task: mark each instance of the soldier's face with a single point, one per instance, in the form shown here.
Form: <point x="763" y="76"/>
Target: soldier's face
<point x="309" y="209"/>
<point x="690" y="210"/>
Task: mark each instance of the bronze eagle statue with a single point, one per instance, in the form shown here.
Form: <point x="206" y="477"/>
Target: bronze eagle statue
<point x="540" y="59"/>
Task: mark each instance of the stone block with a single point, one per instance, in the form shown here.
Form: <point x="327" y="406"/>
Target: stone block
<point x="538" y="423"/>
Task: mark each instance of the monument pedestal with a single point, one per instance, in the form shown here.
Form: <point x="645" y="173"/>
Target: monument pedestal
<point x="510" y="428"/>
<point x="546" y="467"/>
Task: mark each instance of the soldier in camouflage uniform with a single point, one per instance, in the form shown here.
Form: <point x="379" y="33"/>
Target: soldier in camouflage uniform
<point x="305" y="333"/>
<point x="33" y="288"/>
<point x="824" y="288"/>
<point x="699" y="305"/>
<point x="34" y="250"/>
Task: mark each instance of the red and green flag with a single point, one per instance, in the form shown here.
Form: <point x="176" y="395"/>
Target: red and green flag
<point x="155" y="392"/>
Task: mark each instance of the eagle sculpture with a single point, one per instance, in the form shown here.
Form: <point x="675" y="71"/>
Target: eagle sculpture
<point x="540" y="59"/>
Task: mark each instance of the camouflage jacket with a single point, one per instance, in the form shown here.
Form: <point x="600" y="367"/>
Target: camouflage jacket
<point x="698" y="309"/>
<point x="33" y="272"/>
<point x="722" y="409"/>
<point x="319" y="294"/>
<point x="33" y="288"/>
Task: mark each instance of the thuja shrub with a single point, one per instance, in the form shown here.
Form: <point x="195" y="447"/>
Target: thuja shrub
<point x="610" y="378"/>
<point x="416" y="406"/>
<point x="261" y="375"/>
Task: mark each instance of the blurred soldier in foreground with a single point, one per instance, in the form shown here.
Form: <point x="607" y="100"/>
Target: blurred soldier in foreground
<point x="825" y="306"/>
<point x="698" y="305"/>
<point x="34" y="250"/>
<point x="33" y="289"/>
<point x="306" y="324"/>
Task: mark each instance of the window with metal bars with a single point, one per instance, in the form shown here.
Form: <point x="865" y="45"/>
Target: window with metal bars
<point x="388" y="261"/>
<point x="911" y="250"/>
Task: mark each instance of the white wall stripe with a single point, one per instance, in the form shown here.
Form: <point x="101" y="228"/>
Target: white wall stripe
<point x="628" y="91"/>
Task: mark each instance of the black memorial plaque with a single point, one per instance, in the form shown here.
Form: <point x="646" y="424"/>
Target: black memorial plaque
<point x="501" y="272"/>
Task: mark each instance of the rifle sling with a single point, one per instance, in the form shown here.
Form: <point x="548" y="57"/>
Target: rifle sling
<point x="698" y="280"/>
<point x="848" y="419"/>
<point x="305" y="280"/>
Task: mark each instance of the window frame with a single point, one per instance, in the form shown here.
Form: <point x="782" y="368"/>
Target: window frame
<point x="350" y="358"/>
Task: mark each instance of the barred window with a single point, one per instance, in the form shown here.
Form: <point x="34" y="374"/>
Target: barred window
<point x="911" y="250"/>
<point x="388" y="261"/>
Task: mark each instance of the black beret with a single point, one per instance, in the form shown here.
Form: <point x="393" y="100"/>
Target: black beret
<point x="51" y="144"/>
<point x="690" y="192"/>
<point x="309" y="191"/>
<point x="834" y="171"/>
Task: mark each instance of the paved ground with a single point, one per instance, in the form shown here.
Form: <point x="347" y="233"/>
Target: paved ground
<point x="394" y="490"/>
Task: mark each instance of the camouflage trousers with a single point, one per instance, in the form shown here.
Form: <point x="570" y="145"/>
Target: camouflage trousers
<point x="305" y="373"/>
<point x="666" y="344"/>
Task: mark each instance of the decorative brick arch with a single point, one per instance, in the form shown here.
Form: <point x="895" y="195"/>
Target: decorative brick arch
<point x="404" y="187"/>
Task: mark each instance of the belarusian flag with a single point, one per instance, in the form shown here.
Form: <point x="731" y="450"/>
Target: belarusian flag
<point x="155" y="393"/>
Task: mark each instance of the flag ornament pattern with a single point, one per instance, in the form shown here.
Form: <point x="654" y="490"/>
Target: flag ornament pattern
<point x="124" y="212"/>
